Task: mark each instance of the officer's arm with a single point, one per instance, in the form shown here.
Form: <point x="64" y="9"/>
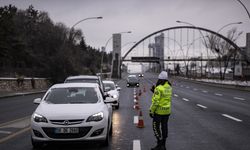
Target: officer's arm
<point x="155" y="100"/>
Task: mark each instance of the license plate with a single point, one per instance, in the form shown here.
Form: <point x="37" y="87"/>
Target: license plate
<point x="67" y="130"/>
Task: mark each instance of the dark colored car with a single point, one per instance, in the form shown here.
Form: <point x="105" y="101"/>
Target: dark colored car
<point x="133" y="82"/>
<point x="140" y="75"/>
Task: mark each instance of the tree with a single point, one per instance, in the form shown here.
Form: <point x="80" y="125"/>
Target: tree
<point x="223" y="49"/>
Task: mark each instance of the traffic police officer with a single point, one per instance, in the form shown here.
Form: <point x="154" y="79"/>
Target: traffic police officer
<point x="160" y="109"/>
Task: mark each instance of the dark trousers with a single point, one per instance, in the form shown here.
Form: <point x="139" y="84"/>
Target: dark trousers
<point x="160" y="127"/>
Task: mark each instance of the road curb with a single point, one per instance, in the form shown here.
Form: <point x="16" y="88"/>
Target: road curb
<point x="238" y="87"/>
<point x="22" y="94"/>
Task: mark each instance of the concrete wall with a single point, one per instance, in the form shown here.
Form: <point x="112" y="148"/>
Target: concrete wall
<point x="15" y="84"/>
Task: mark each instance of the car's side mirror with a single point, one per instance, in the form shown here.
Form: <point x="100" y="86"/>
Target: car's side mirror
<point x="37" y="101"/>
<point x="118" y="89"/>
<point x="105" y="96"/>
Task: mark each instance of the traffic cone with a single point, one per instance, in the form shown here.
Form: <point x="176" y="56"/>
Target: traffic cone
<point x="136" y="97"/>
<point x="140" y="122"/>
<point x="139" y="92"/>
<point x="136" y="106"/>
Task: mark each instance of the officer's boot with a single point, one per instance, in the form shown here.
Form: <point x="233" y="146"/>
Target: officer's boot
<point x="158" y="146"/>
<point x="162" y="144"/>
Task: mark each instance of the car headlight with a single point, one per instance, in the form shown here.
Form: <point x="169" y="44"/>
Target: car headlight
<point x="114" y="96"/>
<point x="96" y="117"/>
<point x="39" y="118"/>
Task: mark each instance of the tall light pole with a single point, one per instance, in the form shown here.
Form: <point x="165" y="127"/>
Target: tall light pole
<point x="106" y="47"/>
<point x="127" y="44"/>
<point x="82" y="21"/>
<point x="228" y="25"/>
<point x="244" y="8"/>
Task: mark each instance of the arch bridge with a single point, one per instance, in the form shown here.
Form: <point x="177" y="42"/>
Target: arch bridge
<point x="188" y="50"/>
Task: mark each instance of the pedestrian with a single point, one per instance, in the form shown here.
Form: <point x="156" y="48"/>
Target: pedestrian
<point x="160" y="109"/>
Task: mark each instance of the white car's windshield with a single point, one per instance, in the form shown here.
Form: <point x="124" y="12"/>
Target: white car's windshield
<point x="82" y="81"/>
<point x="110" y="85"/>
<point x="72" y="95"/>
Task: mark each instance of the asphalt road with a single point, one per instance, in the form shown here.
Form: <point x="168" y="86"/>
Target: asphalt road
<point x="203" y="118"/>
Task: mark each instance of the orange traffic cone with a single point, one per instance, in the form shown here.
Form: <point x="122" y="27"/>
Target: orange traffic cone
<point x="144" y="89"/>
<point x="139" y="92"/>
<point x="136" y="97"/>
<point x="140" y="122"/>
<point x="136" y="106"/>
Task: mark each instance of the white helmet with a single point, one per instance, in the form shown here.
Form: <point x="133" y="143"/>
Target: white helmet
<point x="163" y="75"/>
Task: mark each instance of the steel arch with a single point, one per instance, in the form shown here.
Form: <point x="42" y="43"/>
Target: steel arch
<point x="186" y="27"/>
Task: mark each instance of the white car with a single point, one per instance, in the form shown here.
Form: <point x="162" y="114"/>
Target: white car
<point x="71" y="112"/>
<point x="113" y="92"/>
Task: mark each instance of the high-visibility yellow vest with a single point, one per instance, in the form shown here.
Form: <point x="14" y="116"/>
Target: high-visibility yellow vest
<point x="161" y="100"/>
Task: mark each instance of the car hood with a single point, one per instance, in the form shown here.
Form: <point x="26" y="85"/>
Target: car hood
<point x="113" y="92"/>
<point x="69" y="111"/>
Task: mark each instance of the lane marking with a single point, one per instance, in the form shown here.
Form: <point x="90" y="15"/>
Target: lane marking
<point x="185" y="99"/>
<point x="14" y="134"/>
<point x="231" y="117"/>
<point x="187" y="87"/>
<point x="239" y="98"/>
<point x="195" y="89"/>
<point x="16" y="120"/>
<point x="136" y="145"/>
<point x="202" y="106"/>
<point x="5" y="132"/>
<point x="18" y="124"/>
<point x="218" y="94"/>
<point x="136" y="119"/>
<point x="175" y="95"/>
<point x="204" y="91"/>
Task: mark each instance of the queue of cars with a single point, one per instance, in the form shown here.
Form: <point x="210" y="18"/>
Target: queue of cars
<point x="80" y="109"/>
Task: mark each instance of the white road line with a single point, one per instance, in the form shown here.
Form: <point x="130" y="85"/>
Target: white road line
<point x="195" y="89"/>
<point x="238" y="98"/>
<point x="136" y="119"/>
<point x="218" y="94"/>
<point x="231" y="117"/>
<point x="175" y="95"/>
<point x="185" y="99"/>
<point x="204" y="91"/>
<point x="187" y="87"/>
<point x="202" y="106"/>
<point x="5" y="132"/>
<point x="136" y="145"/>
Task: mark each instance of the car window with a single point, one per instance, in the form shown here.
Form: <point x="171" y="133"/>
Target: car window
<point x="73" y="95"/>
<point x="132" y="79"/>
<point x="82" y="81"/>
<point x="110" y="85"/>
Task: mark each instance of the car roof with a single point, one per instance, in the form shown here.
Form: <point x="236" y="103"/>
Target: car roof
<point x="82" y="77"/>
<point x="68" y="85"/>
<point x="132" y="75"/>
<point x="108" y="81"/>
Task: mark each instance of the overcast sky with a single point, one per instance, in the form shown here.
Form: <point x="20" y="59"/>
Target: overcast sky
<point x="142" y="17"/>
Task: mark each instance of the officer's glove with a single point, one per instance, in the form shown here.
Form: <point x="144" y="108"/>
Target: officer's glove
<point x="152" y="89"/>
<point x="151" y="115"/>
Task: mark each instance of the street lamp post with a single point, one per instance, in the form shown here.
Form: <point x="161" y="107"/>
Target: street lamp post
<point x="82" y="21"/>
<point x="228" y="25"/>
<point x="106" y="47"/>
